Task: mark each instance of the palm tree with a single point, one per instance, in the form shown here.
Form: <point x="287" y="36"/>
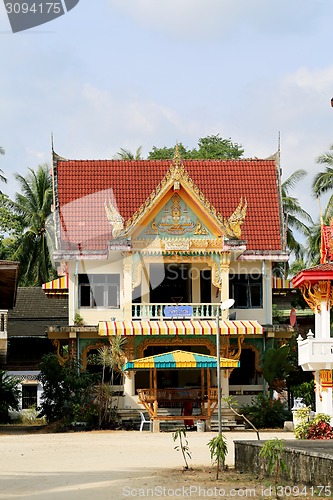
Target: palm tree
<point x="34" y="209"/>
<point x="314" y="238"/>
<point x="126" y="154"/>
<point x="2" y="178"/>
<point x="323" y="181"/>
<point x="293" y="212"/>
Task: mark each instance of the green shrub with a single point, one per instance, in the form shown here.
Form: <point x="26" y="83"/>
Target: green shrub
<point x="64" y="389"/>
<point x="9" y="396"/>
<point x="266" y="413"/>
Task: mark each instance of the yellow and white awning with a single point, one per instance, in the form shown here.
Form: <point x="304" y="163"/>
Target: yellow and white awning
<point x="56" y="287"/>
<point x="195" y="327"/>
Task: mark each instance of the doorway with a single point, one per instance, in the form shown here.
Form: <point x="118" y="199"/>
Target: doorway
<point x="170" y="283"/>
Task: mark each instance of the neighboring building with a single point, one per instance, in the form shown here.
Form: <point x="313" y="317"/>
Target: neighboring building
<point x="8" y="287"/>
<point x="141" y="238"/>
<point x="27" y="340"/>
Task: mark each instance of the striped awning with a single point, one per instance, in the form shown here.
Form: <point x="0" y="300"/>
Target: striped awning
<point x="194" y="327"/>
<point x="56" y="287"/>
<point x="179" y="359"/>
<point x="281" y="283"/>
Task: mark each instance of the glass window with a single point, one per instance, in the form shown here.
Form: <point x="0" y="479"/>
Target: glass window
<point x="99" y="290"/>
<point x="246" y="290"/>
<point x="29" y="396"/>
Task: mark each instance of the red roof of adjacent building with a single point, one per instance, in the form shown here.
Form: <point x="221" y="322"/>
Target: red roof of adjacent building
<point x="84" y="186"/>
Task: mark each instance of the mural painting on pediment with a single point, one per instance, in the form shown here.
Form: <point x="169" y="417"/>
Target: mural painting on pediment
<point x="176" y="219"/>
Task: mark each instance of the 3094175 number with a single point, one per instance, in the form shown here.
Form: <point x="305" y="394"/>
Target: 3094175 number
<point x="33" y="8"/>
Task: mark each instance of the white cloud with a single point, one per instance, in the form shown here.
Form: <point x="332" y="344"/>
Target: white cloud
<point x="211" y="18"/>
<point x="314" y="80"/>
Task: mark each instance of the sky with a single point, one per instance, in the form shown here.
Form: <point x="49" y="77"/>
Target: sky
<point x="113" y="74"/>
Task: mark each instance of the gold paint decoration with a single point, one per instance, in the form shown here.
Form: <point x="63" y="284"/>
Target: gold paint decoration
<point x="314" y="295"/>
<point x="230" y="227"/>
<point x="233" y="224"/>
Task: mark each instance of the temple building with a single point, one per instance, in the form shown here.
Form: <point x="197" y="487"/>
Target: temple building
<point x="151" y="249"/>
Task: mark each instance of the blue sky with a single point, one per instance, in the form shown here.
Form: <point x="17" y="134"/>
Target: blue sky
<point x="130" y="73"/>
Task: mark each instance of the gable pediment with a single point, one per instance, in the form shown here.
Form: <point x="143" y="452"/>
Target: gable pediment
<point x="177" y="219"/>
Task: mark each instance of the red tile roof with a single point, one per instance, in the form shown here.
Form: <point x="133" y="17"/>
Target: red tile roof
<point x="83" y="187"/>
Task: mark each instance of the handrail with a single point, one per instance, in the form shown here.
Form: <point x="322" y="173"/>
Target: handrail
<point x="206" y="310"/>
<point x="176" y="394"/>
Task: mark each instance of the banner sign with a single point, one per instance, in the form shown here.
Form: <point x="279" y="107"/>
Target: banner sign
<point x="178" y="311"/>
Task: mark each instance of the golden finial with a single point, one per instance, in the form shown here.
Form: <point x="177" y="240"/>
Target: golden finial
<point x="176" y="157"/>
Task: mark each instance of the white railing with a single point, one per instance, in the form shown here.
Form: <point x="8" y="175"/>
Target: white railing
<point x="156" y="311"/>
<point x="315" y="354"/>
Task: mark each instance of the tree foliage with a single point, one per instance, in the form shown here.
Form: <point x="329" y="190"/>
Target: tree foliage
<point x="9" y="395"/>
<point x="209" y="148"/>
<point x="64" y="388"/>
<point x="323" y="181"/>
<point x="33" y="208"/>
<point x="294" y="214"/>
<point x="276" y="368"/>
<point x="126" y="154"/>
<point x="2" y="177"/>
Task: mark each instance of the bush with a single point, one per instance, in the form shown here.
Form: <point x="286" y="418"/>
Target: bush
<point x="65" y="389"/>
<point x="318" y="428"/>
<point x="9" y="396"/>
<point x="266" y="413"/>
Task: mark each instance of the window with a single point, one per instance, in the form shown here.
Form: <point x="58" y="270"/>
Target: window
<point x="247" y="291"/>
<point x="29" y="396"/>
<point x="99" y="290"/>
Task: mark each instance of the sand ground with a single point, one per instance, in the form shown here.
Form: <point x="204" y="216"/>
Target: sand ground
<point x="105" y="465"/>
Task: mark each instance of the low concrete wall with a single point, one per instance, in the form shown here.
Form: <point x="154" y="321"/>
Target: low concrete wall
<point x="308" y="462"/>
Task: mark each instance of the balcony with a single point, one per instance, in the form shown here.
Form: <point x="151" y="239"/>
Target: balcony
<point x="156" y="311"/>
<point x="315" y="354"/>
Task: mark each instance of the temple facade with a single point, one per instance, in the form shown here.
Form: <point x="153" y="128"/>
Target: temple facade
<point x="151" y="249"/>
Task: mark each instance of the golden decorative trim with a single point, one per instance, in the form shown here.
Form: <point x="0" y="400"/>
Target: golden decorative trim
<point x="85" y="352"/>
<point x="314" y="295"/>
<point x="231" y="352"/>
<point x="218" y="269"/>
<point x="129" y="348"/>
<point x="61" y="359"/>
<point x="199" y="229"/>
<point x="233" y="224"/>
<point x="230" y="227"/>
<point x="257" y="356"/>
<point x="175" y="341"/>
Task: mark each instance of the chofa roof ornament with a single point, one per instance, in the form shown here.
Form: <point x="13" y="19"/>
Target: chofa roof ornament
<point x="114" y="217"/>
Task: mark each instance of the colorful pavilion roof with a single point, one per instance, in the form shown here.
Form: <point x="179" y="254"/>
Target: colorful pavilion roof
<point x="179" y="359"/>
<point x="83" y="187"/>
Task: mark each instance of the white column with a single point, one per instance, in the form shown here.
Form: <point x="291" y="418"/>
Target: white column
<point x="129" y="387"/>
<point x="127" y="286"/>
<point x="322" y="321"/>
<point x="225" y="384"/>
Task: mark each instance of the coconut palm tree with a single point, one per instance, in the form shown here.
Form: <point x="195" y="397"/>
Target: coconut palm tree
<point x="126" y="154"/>
<point x="323" y="181"/>
<point x="33" y="206"/>
<point x="293" y="213"/>
<point x="314" y="238"/>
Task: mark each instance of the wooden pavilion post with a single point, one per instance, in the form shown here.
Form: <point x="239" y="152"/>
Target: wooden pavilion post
<point x="156" y="422"/>
<point x="202" y="391"/>
<point x="208" y="393"/>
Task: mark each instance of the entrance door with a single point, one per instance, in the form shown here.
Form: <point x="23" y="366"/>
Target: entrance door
<point x="170" y="283"/>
